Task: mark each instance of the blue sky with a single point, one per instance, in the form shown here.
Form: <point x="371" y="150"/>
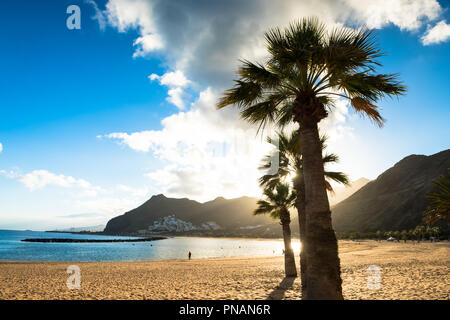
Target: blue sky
<point x="86" y="134"/>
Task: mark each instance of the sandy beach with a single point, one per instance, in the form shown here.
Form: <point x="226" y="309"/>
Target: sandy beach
<point x="407" y="271"/>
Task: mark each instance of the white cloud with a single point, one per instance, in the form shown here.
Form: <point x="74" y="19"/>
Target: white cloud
<point x="113" y="201"/>
<point x="99" y="16"/>
<point x="82" y="196"/>
<point x="125" y="14"/>
<point x="335" y="125"/>
<point x="138" y="192"/>
<point x="176" y="81"/>
<point x="204" y="39"/>
<point x="138" y="14"/>
<point x="139" y="141"/>
<point x="405" y="14"/>
<point x="198" y="126"/>
<point x="211" y="152"/>
<point x="171" y="79"/>
<point x="38" y="179"/>
<point x="176" y="97"/>
<point x="1" y="147"/>
<point x="9" y="174"/>
<point x="110" y="201"/>
<point x="109" y="206"/>
<point x="439" y="33"/>
<point x="147" y="43"/>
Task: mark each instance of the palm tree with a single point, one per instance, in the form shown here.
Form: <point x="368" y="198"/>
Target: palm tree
<point x="418" y="232"/>
<point x="379" y="235"/>
<point x="287" y="149"/>
<point x="404" y="235"/>
<point x="439" y="205"/>
<point x="307" y="69"/>
<point x="411" y="234"/>
<point x="436" y="231"/>
<point x="277" y="204"/>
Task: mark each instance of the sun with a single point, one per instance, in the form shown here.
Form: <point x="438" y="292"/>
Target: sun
<point x="296" y="246"/>
<point x="288" y="178"/>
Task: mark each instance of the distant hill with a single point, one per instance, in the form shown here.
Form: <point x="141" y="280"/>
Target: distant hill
<point x="342" y="193"/>
<point x="227" y="213"/>
<point x="396" y="199"/>
<point x="96" y="228"/>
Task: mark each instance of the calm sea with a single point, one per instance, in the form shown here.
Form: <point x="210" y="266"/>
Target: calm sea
<point x="12" y="249"/>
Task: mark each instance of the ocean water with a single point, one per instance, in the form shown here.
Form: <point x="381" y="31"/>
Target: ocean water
<point x="13" y="249"/>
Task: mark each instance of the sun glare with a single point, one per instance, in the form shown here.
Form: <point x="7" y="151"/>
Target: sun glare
<point x="296" y="246"/>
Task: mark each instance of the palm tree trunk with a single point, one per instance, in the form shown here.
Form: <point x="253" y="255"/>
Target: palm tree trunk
<point x="289" y="258"/>
<point x="323" y="274"/>
<point x="299" y="186"/>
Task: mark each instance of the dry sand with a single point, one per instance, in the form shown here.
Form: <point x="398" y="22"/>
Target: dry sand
<point x="408" y="271"/>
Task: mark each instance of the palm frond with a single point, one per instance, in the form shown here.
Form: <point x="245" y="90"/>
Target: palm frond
<point x="338" y="177"/>
<point x="439" y="201"/>
<point x="259" y="74"/>
<point x="365" y="108"/>
<point x="277" y="199"/>
<point x="371" y="87"/>
<point x="244" y="93"/>
<point x="349" y="49"/>
<point x="266" y="108"/>
<point x="330" y="158"/>
<point x="264" y="207"/>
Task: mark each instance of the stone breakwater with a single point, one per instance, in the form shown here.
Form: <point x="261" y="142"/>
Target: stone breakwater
<point x="93" y="240"/>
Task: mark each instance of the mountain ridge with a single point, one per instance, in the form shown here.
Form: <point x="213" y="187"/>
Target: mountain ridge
<point x="396" y="199"/>
<point x="227" y="213"/>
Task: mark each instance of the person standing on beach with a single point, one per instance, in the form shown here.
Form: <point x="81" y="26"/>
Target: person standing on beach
<point x="189" y="255"/>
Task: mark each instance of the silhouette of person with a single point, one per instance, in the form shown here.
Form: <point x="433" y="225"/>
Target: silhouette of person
<point x="189" y="255"/>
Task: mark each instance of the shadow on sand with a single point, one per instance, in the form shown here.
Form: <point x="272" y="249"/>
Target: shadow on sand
<point x="279" y="291"/>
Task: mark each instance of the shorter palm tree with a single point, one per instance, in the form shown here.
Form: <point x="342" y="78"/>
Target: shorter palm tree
<point x="277" y="202"/>
<point x="439" y="205"/>
<point x="290" y="164"/>
<point x="287" y="149"/>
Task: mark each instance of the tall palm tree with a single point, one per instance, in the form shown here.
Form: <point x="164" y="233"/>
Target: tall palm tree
<point x="277" y="203"/>
<point x="287" y="149"/>
<point x="307" y="69"/>
<point x="439" y="205"/>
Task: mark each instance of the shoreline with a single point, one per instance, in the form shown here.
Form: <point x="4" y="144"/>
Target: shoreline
<point x="359" y="245"/>
<point x="232" y="238"/>
<point x="138" y="261"/>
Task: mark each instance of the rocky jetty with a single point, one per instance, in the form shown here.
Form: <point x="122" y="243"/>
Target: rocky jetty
<point x="93" y="240"/>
